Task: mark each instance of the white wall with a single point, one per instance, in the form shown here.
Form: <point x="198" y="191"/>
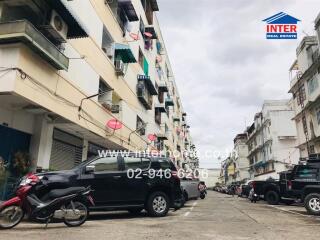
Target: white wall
<point x="19" y="120"/>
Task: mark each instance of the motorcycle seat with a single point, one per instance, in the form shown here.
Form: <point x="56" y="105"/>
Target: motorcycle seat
<point x="56" y="193"/>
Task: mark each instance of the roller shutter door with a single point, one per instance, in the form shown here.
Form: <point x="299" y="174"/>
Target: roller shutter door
<point x="66" y="151"/>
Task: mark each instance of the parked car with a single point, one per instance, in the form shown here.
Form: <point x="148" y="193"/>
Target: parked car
<point x="125" y="183"/>
<point x="190" y="188"/>
<point x="274" y="191"/>
<point x="301" y="184"/>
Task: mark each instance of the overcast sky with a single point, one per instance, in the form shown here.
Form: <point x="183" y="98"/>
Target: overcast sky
<point x="223" y="65"/>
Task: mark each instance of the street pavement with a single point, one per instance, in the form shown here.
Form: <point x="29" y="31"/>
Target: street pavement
<point x="219" y="216"/>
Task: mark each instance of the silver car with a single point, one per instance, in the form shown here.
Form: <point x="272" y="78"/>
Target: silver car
<point x="190" y="188"/>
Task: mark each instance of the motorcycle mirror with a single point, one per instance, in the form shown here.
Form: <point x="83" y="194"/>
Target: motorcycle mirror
<point x="89" y="169"/>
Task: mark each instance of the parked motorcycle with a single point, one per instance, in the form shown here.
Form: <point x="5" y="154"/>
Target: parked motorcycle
<point x="202" y="189"/>
<point x="70" y="204"/>
<point x="253" y="197"/>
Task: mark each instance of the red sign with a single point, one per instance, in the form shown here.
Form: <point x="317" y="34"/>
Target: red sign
<point x="152" y="137"/>
<point x="114" y="124"/>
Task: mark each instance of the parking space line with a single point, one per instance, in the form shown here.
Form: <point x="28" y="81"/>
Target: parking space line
<point x="292" y="212"/>
<point x="186" y="214"/>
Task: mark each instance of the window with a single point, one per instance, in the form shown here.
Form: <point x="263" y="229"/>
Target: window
<point x="306" y="173"/>
<point x="301" y="95"/>
<point x="140" y="126"/>
<point x="312" y="84"/>
<point x="162" y="164"/>
<point x="106" y="93"/>
<point x="157" y="116"/>
<point x="311" y="149"/>
<point x="304" y="124"/>
<point x="161" y="97"/>
<point x="146" y="4"/>
<point x="136" y="162"/>
<point x="143" y="63"/>
<point x="318" y="115"/>
<point x="109" y="164"/>
<point x="107" y="43"/>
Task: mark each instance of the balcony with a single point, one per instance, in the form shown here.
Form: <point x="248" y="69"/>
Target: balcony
<point x="162" y="86"/>
<point x="160" y="107"/>
<point x="169" y="102"/>
<point x="144" y="96"/>
<point x="25" y="32"/>
<point x="176" y="119"/>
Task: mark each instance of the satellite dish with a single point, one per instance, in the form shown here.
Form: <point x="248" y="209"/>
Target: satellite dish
<point x="114" y="124"/>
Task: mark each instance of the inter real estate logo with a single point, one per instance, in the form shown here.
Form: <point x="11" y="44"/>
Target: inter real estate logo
<point x="281" y="26"/>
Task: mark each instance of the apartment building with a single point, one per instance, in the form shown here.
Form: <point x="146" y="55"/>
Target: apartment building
<point x="272" y="140"/>
<point x="78" y="77"/>
<point x="236" y="165"/>
<point x="305" y="90"/>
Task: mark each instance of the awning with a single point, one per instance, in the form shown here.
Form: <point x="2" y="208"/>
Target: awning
<point x="162" y="136"/>
<point x="176" y="119"/>
<point x="149" y="84"/>
<point x="151" y="30"/>
<point x="169" y="102"/>
<point x="162" y="86"/>
<point x="124" y="52"/>
<point x="128" y="7"/>
<point x="161" y="108"/>
<point x="154" y="5"/>
<point x="75" y="28"/>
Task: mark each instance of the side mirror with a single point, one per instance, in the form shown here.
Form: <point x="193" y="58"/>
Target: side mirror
<point x="89" y="169"/>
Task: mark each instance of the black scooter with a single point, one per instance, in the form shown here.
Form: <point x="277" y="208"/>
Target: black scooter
<point x="70" y="204"/>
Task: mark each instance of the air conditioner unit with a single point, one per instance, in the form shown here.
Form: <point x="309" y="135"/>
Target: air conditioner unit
<point x="119" y="67"/>
<point x="57" y="28"/>
<point x="115" y="108"/>
<point x="108" y="50"/>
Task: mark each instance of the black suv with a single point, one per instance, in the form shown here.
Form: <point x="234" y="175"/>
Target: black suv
<point x="130" y="183"/>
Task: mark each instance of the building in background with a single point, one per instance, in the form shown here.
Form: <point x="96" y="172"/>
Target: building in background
<point x="305" y="90"/>
<point x="67" y="68"/>
<point x="272" y="140"/>
<point x="239" y="156"/>
<point x="210" y="176"/>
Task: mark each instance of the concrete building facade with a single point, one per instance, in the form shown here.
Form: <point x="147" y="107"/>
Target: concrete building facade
<point x="272" y="140"/>
<point x="304" y="86"/>
<point x="78" y="77"/>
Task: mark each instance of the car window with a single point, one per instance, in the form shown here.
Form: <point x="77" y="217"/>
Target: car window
<point x="306" y="173"/>
<point x="163" y="164"/>
<point x="105" y="164"/>
<point x="136" y="162"/>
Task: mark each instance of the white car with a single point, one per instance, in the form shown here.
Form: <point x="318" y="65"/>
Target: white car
<point x="190" y="188"/>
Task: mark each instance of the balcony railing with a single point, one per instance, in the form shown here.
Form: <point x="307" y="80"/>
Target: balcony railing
<point x="23" y="31"/>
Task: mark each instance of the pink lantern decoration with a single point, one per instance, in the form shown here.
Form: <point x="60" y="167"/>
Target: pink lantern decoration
<point x="134" y="36"/>
<point x="114" y="124"/>
<point x="159" y="59"/>
<point x="152" y="137"/>
<point x="147" y="34"/>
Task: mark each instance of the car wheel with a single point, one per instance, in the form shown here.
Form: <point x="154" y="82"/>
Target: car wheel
<point x="272" y="197"/>
<point x="135" y="211"/>
<point x="312" y="203"/>
<point x="158" y="204"/>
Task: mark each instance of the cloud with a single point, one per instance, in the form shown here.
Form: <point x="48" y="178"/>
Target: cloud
<point x="224" y="66"/>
